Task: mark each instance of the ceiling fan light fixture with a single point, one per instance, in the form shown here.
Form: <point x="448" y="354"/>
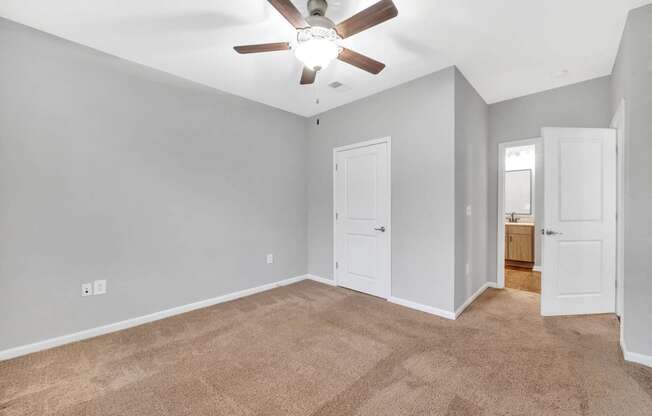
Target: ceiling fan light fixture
<point x="318" y="40"/>
<point x="317" y="47"/>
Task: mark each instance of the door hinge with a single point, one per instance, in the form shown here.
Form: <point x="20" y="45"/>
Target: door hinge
<point x="336" y="166"/>
<point x="337" y="265"/>
<point x="337" y="216"/>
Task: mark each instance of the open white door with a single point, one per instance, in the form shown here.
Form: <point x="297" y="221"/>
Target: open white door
<point x="579" y="257"/>
<point x="362" y="214"/>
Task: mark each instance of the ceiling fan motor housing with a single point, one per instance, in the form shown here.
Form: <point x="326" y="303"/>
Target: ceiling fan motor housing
<point x="320" y="21"/>
<point x="317" y="7"/>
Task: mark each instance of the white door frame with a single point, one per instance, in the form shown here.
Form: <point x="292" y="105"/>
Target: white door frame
<point x="367" y="143"/>
<point x="500" y="241"/>
<point x="619" y="123"/>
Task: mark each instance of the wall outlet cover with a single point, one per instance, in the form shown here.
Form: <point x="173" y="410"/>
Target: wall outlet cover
<point x="270" y="259"/>
<point x="99" y="287"/>
<point x="86" y="289"/>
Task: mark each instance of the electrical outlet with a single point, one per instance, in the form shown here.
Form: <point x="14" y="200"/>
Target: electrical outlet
<point x="86" y="289"/>
<point x="468" y="210"/>
<point x="99" y="287"/>
<point x="270" y="259"/>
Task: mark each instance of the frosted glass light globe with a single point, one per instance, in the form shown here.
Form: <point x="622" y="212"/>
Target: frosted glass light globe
<point x="316" y="54"/>
<point x="317" y="47"/>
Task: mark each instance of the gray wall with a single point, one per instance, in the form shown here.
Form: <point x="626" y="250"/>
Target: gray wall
<point x="419" y="117"/>
<point x="471" y="127"/>
<point x="632" y="80"/>
<point x="172" y="191"/>
<point x="585" y="104"/>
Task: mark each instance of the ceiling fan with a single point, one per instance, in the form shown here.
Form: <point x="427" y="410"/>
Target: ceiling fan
<point x="318" y="38"/>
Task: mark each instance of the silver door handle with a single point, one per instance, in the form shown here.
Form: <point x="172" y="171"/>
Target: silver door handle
<point x="550" y="232"/>
<point x="381" y="229"/>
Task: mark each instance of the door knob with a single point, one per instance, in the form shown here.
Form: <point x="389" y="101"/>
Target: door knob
<point x="381" y="229"/>
<point x="550" y="232"/>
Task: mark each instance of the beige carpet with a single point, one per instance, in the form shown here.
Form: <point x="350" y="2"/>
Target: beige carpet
<point x="310" y="349"/>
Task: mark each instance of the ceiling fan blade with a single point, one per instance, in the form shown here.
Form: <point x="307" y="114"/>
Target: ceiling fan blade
<point x="369" y="17"/>
<point x="361" y="61"/>
<point x="308" y="76"/>
<point x="287" y="9"/>
<point x="263" y="47"/>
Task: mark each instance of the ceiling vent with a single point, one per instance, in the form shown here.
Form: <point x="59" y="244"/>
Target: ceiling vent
<point x="339" y="87"/>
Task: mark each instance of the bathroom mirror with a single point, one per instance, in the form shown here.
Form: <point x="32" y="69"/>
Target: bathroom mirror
<point x="518" y="192"/>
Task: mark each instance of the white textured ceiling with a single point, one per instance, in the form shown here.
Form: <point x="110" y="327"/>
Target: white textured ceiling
<point x="506" y="48"/>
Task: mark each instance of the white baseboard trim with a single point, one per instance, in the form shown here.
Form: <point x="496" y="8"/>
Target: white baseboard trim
<point x="130" y="323"/>
<point x="323" y="280"/>
<point x="635" y="357"/>
<point x="492" y="285"/>
<point x="423" y="308"/>
<point x="473" y="297"/>
<point x="536" y="269"/>
<point x="406" y="303"/>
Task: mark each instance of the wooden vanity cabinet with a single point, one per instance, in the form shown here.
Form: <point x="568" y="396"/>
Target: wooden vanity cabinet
<point x="519" y="245"/>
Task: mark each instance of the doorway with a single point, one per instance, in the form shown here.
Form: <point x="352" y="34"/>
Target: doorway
<point x="362" y="217"/>
<point x="520" y="215"/>
<point x="575" y="243"/>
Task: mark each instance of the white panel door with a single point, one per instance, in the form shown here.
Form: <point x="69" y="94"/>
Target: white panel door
<point x="579" y="257"/>
<point x="362" y="209"/>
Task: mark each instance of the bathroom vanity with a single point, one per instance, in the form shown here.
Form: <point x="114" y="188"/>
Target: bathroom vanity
<point x="519" y="244"/>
